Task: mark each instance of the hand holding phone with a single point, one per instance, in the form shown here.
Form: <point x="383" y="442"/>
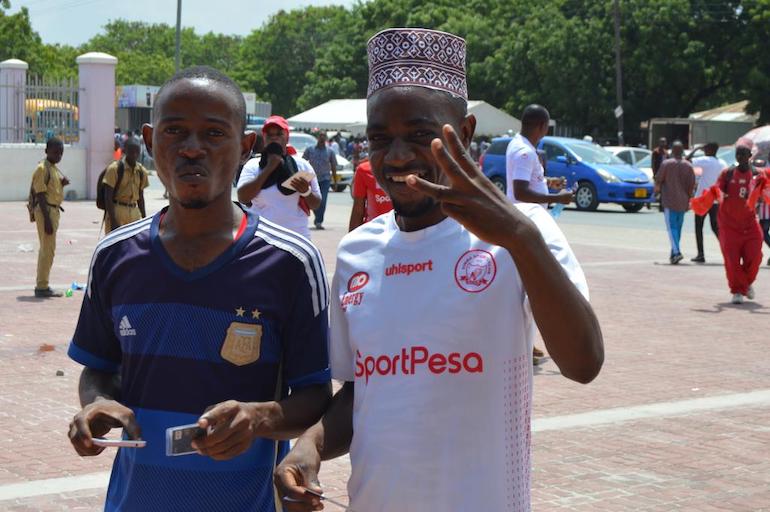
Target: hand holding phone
<point x="120" y="443"/>
<point x="179" y="439"/>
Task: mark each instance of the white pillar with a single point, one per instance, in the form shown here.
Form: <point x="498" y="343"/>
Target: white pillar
<point x="13" y="82"/>
<point x="96" y="72"/>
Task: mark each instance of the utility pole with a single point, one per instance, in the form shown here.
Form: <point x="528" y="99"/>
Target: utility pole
<point x="178" y="34"/>
<point x="618" y="72"/>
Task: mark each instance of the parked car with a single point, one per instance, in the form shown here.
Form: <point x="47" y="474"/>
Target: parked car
<point x="599" y="175"/>
<point x="345" y="171"/>
<point x="628" y="154"/>
<point x="492" y="162"/>
<point x="726" y="153"/>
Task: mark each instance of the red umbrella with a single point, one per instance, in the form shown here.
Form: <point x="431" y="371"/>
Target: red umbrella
<point x="757" y="139"/>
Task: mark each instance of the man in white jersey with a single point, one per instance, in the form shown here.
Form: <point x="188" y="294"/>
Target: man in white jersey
<point x="434" y="307"/>
<point x="525" y="176"/>
<point x="711" y="167"/>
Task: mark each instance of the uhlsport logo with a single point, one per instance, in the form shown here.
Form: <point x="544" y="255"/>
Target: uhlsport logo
<point x="475" y="271"/>
<point x="417" y="359"/>
<point x="125" y="327"/>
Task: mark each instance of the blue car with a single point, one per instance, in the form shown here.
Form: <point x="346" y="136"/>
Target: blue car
<point x="600" y="176"/>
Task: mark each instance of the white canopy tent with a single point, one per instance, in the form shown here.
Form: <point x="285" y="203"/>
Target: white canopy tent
<point x="350" y="115"/>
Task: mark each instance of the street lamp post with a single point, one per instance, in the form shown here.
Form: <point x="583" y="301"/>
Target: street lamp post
<point x="618" y="73"/>
<point x="178" y="33"/>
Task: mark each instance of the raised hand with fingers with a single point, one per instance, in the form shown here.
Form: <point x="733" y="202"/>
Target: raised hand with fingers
<point x="470" y="198"/>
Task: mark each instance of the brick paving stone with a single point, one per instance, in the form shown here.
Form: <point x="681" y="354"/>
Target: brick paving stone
<point x="670" y="335"/>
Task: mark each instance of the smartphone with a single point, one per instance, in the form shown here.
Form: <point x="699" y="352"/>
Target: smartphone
<point x="120" y="443"/>
<point x="179" y="439"/>
<point x="324" y="498"/>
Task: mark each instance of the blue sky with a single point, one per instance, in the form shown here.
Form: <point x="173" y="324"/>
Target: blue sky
<point x="74" y="22"/>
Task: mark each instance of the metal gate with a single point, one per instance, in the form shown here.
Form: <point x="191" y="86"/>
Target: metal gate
<point x="51" y="109"/>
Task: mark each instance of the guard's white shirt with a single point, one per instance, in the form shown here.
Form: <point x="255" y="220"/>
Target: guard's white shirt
<point x="435" y="330"/>
<point x="711" y="167"/>
<point x="272" y="204"/>
<point x="522" y="163"/>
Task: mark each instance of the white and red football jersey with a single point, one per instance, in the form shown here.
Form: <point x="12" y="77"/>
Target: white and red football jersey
<point x="435" y="329"/>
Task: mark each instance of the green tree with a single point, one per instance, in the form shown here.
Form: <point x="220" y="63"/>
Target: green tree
<point x="753" y="63"/>
<point x="17" y="38"/>
<point x="275" y="58"/>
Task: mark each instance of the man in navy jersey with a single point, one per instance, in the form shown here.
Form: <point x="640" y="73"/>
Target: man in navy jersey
<point x="203" y="313"/>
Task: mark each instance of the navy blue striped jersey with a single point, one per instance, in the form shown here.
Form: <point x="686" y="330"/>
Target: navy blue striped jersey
<point x="250" y="326"/>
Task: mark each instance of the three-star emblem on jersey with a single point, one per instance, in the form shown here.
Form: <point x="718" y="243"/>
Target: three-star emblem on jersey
<point x="239" y="311"/>
<point x="475" y="271"/>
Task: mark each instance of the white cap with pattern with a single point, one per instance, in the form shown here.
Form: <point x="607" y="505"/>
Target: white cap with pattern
<point x="419" y="57"/>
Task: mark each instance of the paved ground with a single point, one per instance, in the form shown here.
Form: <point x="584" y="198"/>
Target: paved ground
<point x="679" y="418"/>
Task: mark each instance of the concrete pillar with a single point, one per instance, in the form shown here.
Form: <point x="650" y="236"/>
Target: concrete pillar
<point x="13" y="82"/>
<point x="96" y="72"/>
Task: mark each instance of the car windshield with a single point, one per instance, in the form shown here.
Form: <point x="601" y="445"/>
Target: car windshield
<point x="594" y="154"/>
<point x="645" y="162"/>
<point x="727" y="153"/>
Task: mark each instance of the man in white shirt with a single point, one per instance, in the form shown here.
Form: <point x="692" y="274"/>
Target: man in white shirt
<point x="525" y="175"/>
<point x="434" y="307"/>
<point x="711" y="167"/>
<point x="261" y="181"/>
<point x="524" y="170"/>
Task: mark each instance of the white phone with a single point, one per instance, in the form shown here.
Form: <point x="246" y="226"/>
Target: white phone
<point x="120" y="443"/>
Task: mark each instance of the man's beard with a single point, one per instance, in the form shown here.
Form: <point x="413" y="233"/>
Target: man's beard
<point x="416" y="210"/>
<point x="194" y="204"/>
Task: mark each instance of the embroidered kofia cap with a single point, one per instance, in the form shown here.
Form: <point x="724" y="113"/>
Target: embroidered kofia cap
<point x="417" y="56"/>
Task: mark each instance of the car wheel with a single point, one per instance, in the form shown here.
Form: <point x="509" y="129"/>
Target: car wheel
<point x="499" y="183"/>
<point x="633" y="207"/>
<point x="585" y="197"/>
<point x="338" y="188"/>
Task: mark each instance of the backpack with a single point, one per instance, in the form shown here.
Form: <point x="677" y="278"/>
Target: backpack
<point x="32" y="198"/>
<point x="100" y="183"/>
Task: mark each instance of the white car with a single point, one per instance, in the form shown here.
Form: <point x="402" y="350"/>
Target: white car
<point x="628" y="154"/>
<point x="301" y="141"/>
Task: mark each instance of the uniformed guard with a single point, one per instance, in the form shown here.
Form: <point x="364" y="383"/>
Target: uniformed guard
<point x="126" y="204"/>
<point x="48" y="188"/>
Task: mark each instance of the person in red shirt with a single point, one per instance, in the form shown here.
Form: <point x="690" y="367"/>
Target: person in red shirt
<point x="741" y="242"/>
<point x="369" y="200"/>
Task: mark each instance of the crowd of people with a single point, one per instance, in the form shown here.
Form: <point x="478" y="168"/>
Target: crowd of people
<point x="735" y="199"/>
<point x="217" y="316"/>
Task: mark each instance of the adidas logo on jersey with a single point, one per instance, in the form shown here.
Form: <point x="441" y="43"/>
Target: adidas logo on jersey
<point x="125" y="327"/>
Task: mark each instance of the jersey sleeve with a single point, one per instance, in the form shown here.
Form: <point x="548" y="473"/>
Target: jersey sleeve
<point x="306" y="331"/>
<point x="111" y="175"/>
<point x="359" y="183"/>
<point x="340" y="349"/>
<point x="95" y="344"/>
<point x="557" y="245"/>
<point x="38" y="180"/>
<point x="249" y="172"/>
<point x="520" y="163"/>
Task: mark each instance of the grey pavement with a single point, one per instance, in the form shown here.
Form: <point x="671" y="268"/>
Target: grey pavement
<point x="677" y="420"/>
